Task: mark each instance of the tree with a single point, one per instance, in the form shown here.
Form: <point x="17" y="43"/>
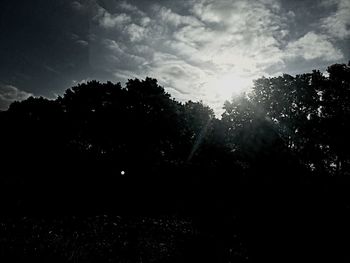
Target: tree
<point x="335" y="113"/>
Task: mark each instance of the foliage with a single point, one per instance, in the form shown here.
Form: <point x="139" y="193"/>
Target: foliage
<point x="286" y="121"/>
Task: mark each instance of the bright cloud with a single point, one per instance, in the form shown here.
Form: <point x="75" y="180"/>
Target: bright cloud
<point x="108" y="20"/>
<point x="338" y="23"/>
<point x="211" y="51"/>
<point x="312" y="46"/>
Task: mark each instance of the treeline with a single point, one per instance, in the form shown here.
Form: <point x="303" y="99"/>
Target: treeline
<point x="97" y="135"/>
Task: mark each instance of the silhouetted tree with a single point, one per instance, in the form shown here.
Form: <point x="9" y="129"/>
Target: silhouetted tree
<point x="335" y="118"/>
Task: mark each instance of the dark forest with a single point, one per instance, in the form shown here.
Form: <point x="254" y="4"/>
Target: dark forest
<point x="172" y="182"/>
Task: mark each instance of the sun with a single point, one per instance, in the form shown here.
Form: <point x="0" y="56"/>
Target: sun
<point x="227" y="85"/>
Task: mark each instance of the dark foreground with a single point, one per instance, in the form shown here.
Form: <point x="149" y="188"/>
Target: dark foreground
<point x="158" y="220"/>
<point x="150" y="179"/>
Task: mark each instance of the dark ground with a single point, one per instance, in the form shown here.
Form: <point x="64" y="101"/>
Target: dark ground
<point x="169" y="222"/>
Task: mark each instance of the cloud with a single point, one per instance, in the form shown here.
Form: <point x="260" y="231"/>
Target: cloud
<point x="130" y="8"/>
<point x="108" y="20"/>
<point x="136" y="33"/>
<point x="203" y="49"/>
<point x="77" y="5"/>
<point x="52" y="70"/>
<point x="338" y="24"/>
<point x="82" y="43"/>
<point x="120" y="53"/>
<point x="177" y="73"/>
<point x="189" y="53"/>
<point x="9" y="94"/>
<point x="198" y="49"/>
<point x="313" y="46"/>
<point x="171" y="18"/>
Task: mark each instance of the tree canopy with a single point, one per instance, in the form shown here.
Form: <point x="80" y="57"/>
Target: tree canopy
<point x="285" y="127"/>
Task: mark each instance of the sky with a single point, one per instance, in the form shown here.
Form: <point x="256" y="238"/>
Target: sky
<point x="197" y="49"/>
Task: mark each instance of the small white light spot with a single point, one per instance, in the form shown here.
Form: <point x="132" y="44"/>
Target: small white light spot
<point x="122" y="172"/>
